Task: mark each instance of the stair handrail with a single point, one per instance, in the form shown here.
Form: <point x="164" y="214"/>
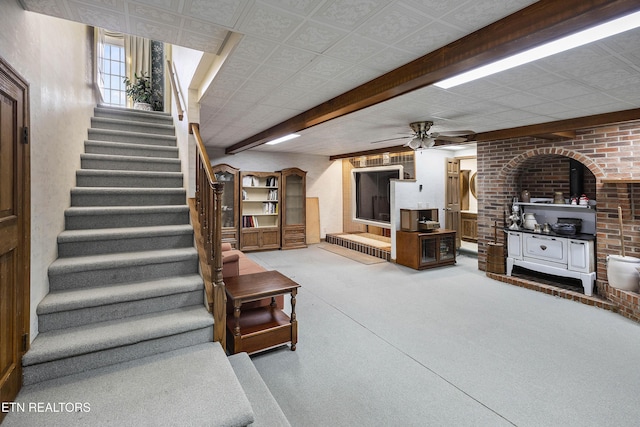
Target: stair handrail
<point x="209" y="208"/>
<point x="176" y="90"/>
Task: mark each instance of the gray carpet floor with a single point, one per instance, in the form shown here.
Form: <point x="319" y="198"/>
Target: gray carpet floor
<point x="385" y="345"/>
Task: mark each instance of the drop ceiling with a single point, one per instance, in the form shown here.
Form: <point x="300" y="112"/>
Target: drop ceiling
<point x="297" y="54"/>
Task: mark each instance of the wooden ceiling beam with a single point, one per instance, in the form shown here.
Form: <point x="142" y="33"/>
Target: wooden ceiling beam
<point x="536" y="24"/>
<point x="562" y="127"/>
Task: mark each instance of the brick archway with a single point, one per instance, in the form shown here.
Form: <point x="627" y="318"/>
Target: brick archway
<point x="511" y="168"/>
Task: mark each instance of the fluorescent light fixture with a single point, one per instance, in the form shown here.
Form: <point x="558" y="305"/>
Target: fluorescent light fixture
<point x="283" y="139"/>
<point x="580" y="38"/>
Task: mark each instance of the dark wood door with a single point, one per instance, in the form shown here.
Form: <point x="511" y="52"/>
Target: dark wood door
<point x="14" y="230"/>
<point x="452" y="190"/>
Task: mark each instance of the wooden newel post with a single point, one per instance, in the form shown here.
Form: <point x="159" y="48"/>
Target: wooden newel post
<point x="219" y="292"/>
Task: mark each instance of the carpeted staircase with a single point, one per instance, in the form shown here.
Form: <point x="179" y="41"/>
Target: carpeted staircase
<point x="126" y="287"/>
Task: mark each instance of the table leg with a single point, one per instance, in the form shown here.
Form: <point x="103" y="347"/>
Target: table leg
<point x="294" y="321"/>
<point x="236" y="330"/>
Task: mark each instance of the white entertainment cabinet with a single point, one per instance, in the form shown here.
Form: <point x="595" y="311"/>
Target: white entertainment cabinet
<point x="550" y="253"/>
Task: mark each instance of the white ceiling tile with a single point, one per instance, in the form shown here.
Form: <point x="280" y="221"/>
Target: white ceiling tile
<point x="304" y="82"/>
<point x="155" y="14"/>
<point x="354" y="49"/>
<point x="48" y="7"/>
<point x="388" y="59"/>
<point x="326" y="68"/>
<point x="221" y="12"/>
<point x="272" y="75"/>
<point x="205" y="29"/>
<point x="392" y="24"/>
<point x="239" y="67"/>
<point x="432" y="36"/>
<point x="165" y="4"/>
<point x="291" y="58"/>
<point x="303" y="7"/>
<point x="436" y="8"/>
<point x="611" y="79"/>
<point x="254" y="48"/>
<point x="475" y="15"/>
<point x="315" y="37"/>
<point x="357" y="75"/>
<point x="114" y="21"/>
<point x="271" y="23"/>
<point x="520" y="99"/>
<point x="562" y="90"/>
<point x="348" y="14"/>
<point x="154" y="30"/>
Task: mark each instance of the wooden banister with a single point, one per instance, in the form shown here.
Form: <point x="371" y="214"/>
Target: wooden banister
<point x="176" y="92"/>
<point x="208" y="203"/>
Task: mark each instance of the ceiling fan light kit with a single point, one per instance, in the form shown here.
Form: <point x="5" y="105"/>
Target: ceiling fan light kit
<point x="421" y="137"/>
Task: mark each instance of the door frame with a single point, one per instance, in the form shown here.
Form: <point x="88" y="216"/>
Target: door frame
<point x="11" y="80"/>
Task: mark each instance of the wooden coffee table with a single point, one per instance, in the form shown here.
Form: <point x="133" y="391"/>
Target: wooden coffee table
<point x="260" y="328"/>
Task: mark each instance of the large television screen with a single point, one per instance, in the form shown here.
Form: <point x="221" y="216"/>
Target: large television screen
<point x="371" y="194"/>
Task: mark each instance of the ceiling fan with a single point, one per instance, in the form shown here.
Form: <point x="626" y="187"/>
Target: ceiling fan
<point x="422" y="138"/>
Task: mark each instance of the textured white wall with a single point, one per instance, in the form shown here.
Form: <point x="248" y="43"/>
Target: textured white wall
<point x="185" y="62"/>
<point x="54" y="56"/>
<point x="324" y="178"/>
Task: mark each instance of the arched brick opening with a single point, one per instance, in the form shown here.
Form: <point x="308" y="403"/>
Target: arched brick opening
<point x="609" y="154"/>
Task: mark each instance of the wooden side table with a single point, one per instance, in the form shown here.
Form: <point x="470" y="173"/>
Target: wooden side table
<point x="260" y="328"/>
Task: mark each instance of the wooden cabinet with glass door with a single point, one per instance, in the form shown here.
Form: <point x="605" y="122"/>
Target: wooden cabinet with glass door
<point x="259" y="210"/>
<point x="228" y="175"/>
<point x="294" y="182"/>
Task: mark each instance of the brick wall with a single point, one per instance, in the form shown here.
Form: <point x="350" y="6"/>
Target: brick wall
<point x="507" y="167"/>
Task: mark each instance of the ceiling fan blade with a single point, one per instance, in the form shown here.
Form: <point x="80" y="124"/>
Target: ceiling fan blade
<point x="392" y="139"/>
<point x="457" y="133"/>
<point x="450" y="138"/>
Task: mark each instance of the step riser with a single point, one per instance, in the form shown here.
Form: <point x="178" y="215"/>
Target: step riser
<point x="121" y="274"/>
<point x="128" y="126"/>
<point x="128" y="181"/>
<point x="135" y="199"/>
<point x="133" y="116"/>
<point x="112" y="246"/>
<point x="59" y="368"/>
<point x="146" y="139"/>
<point x="118" y="150"/>
<point x="132" y="165"/>
<point x="109" y="220"/>
<point x="85" y="316"/>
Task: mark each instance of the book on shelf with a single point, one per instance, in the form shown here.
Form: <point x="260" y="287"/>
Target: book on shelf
<point x="250" y="181"/>
<point x="250" y="221"/>
<point x="270" y="207"/>
<point x="272" y="181"/>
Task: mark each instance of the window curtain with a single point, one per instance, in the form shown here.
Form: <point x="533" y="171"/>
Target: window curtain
<point x="138" y="53"/>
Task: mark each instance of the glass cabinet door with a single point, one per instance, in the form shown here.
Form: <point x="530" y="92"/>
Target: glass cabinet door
<point x="228" y="198"/>
<point x="294" y="204"/>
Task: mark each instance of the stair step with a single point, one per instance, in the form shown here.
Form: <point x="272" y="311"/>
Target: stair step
<point x="133" y="115"/>
<point x="266" y="410"/>
<point x="186" y="380"/>
<point x="108" y="269"/>
<point x="132" y="126"/>
<point x="69" y="308"/>
<point x="116" y="178"/>
<point x="131" y="137"/>
<point x="80" y="218"/>
<point x="67" y="351"/>
<point x="111" y="162"/>
<point x="114" y="240"/>
<point x="106" y="196"/>
<point x="129" y="149"/>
